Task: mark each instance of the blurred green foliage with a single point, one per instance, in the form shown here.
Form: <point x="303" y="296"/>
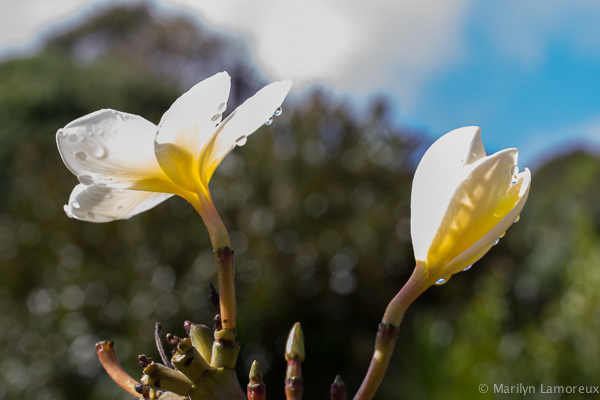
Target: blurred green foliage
<point x="318" y="210"/>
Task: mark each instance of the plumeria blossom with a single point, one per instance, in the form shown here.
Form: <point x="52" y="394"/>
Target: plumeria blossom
<point x="127" y="165"/>
<point x="462" y="202"/>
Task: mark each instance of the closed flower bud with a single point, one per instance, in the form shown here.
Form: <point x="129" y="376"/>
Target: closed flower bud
<point x="462" y="202"/>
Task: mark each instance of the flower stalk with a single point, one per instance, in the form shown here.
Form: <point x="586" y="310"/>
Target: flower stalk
<point x="388" y="331"/>
<point x="226" y="274"/>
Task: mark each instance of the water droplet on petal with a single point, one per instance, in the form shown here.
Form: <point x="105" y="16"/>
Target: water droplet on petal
<point x="518" y="218"/>
<point x="503" y="233"/>
<point x="221" y="107"/>
<point x="99" y="152"/>
<point x="468" y="268"/>
<point x="514" y="170"/>
<point x="115" y="113"/>
<point x="497" y="241"/>
<point x="215" y="117"/>
<point x="73" y="137"/>
<point x="269" y="121"/>
<point x="127" y="117"/>
<point x="440" y="281"/>
<point x="62" y="132"/>
<point x="119" y="207"/>
<point x="89" y="128"/>
<point x="81" y="155"/>
<point x="85" y="179"/>
<point x="278" y="112"/>
<point x="75" y="205"/>
<point x="241" y="140"/>
<point x="90" y="215"/>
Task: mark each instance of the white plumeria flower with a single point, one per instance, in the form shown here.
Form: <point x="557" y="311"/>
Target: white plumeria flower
<point x="127" y="165"/>
<point x="462" y="202"/>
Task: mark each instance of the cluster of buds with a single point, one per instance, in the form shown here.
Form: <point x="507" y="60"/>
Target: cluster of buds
<point x="202" y="366"/>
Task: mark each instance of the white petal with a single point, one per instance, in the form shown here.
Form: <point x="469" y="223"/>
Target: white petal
<point x="103" y="204"/>
<point x="244" y="120"/>
<point x="111" y="148"/>
<point x="436" y="179"/>
<point x="188" y="126"/>
<point x="523" y="179"/>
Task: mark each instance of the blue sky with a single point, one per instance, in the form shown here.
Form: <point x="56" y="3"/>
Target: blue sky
<point x="526" y="72"/>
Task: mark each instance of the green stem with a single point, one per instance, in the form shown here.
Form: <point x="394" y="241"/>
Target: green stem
<point x="387" y="333"/>
<point x="226" y="273"/>
<point x="293" y="379"/>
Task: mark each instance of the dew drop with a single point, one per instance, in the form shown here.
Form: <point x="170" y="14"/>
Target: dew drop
<point x="440" y="281"/>
<point x="221" y="107"/>
<point x="73" y="137"/>
<point x="115" y="113"/>
<point x="99" y="152"/>
<point x="278" y="112"/>
<point x="215" y="117"/>
<point x="75" y="205"/>
<point x="503" y="233"/>
<point x="497" y="241"/>
<point x="89" y="128"/>
<point x="85" y="179"/>
<point x="518" y="218"/>
<point x="90" y="215"/>
<point x="468" y="268"/>
<point x="241" y="140"/>
<point x="127" y="117"/>
<point x="119" y="207"/>
<point x="61" y="132"/>
<point x="81" y="155"/>
<point x="269" y="121"/>
<point x="514" y="170"/>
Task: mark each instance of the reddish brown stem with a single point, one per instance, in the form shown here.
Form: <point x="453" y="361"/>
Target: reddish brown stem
<point x="108" y="358"/>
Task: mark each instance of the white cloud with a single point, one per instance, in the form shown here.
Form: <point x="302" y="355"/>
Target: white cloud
<point x="353" y="46"/>
<point x="20" y="19"/>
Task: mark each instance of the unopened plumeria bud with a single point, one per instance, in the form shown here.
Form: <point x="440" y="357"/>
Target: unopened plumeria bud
<point x="127" y="165"/>
<point x="294" y="347"/>
<point x="256" y="387"/>
<point x="462" y="202"/>
<point x="338" y="389"/>
<point x="294" y="354"/>
<point x="165" y="378"/>
<point x="202" y="338"/>
<point x="189" y="361"/>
